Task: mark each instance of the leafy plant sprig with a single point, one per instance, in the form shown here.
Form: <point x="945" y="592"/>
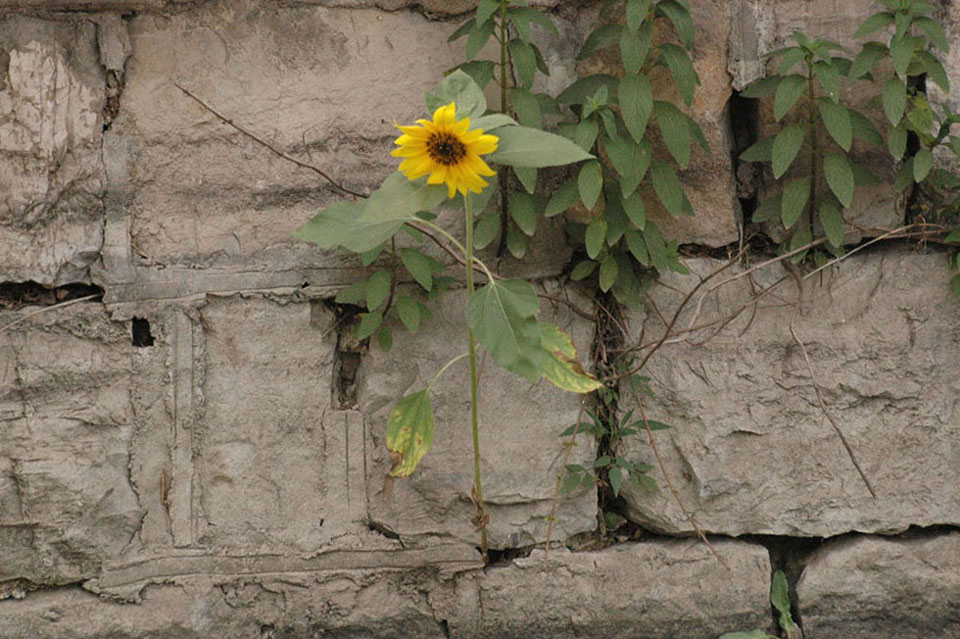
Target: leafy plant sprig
<point x="780" y="600"/>
<point x="804" y="206"/>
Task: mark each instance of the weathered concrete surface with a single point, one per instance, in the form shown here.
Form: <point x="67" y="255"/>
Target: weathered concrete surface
<point x="51" y="174"/>
<point x="874" y="588"/>
<point x="759" y="27"/>
<point x="66" y="420"/>
<point x="752" y="452"/>
<point x="649" y="590"/>
<point x="519" y="443"/>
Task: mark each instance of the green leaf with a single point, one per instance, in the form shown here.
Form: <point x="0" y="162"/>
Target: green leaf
<point x="481" y="71"/>
<point x="585" y="134"/>
<point x="523" y="146"/>
<point x="595" y="237"/>
<point x="329" y="226"/>
<point x="780" y="598"/>
<point x="637" y="246"/>
<point x="585" y="88"/>
<point x="769" y="209"/>
<point x="831" y="219"/>
<point x="583" y="270"/>
<point x="527" y="107"/>
<point x="836" y="118"/>
<point x="894" y="97"/>
<point x="563" y="198"/>
<point x="868" y="56"/>
<point x="502" y="317"/>
<point x="863" y="128"/>
<point x="629" y="159"/>
<point x="522" y="17"/>
<point x="560" y="364"/>
<point x="762" y="88"/>
<point x="410" y="432"/>
<point x="637" y="11"/>
<point x="786" y="146"/>
<point x="656" y="247"/>
<point x="353" y="294"/>
<point x="829" y="79"/>
<point x="935" y="70"/>
<point x="369" y="257"/>
<point x="680" y="17"/>
<point x="527" y="177"/>
<point x="922" y="163"/>
<point x="953" y="237"/>
<point x="685" y="77"/>
<point x="478" y="38"/>
<point x="462" y="30"/>
<point x="517" y="242"/>
<point x="934" y="32"/>
<point x="667" y="186"/>
<point x="862" y="176"/>
<point x="897" y="141"/>
<point x="839" y="174"/>
<point x="617" y="220"/>
<point x="636" y="211"/>
<point x="523" y="210"/>
<point x="791" y="56"/>
<point x="905" y="176"/>
<point x="636" y="103"/>
<point x="604" y="36"/>
<point x="486" y="230"/>
<point x="369" y="323"/>
<point x="754" y="634"/>
<point x="874" y="23"/>
<point x="377" y="289"/>
<point x="492" y="121"/>
<point x="795" y="196"/>
<point x="486" y="9"/>
<point x="761" y="151"/>
<point x="385" y="338"/>
<point x="634" y="48"/>
<point x="789" y="90"/>
<point x="608" y="273"/>
<point x="419" y="265"/>
<point x="674" y="131"/>
<point x="901" y="52"/>
<point x="409" y="312"/>
<point x="590" y="183"/>
<point x="524" y="61"/>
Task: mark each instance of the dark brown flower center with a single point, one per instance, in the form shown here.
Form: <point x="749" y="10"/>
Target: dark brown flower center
<point x="445" y="149"/>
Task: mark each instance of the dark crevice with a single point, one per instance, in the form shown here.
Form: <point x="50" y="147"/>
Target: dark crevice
<point x="789" y="554"/>
<point x="16" y="295"/>
<point x="505" y="556"/>
<point x="349" y="353"/>
<point x="140" y="333"/>
<point x="742" y="116"/>
<point x="380" y="529"/>
<point x="444" y="628"/>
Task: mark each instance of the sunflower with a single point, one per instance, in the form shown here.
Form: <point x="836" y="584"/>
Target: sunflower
<point x="447" y="150"/>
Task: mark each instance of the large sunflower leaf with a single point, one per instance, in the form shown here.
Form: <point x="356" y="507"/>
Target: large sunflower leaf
<point x="502" y="317"/>
<point x="330" y="226"/>
<point x="460" y="88"/>
<point x="524" y="146"/>
<point x="559" y="363"/>
<point x="410" y="432"/>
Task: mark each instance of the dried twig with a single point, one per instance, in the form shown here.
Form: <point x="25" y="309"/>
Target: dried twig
<point x="48" y="308"/>
<point x="269" y="146"/>
<point x="676" y="495"/>
<point x="563" y="467"/>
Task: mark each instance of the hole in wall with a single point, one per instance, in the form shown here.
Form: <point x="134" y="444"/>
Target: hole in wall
<point x="743" y="120"/>
<point x="16" y="295"/>
<point x="140" y="333"/>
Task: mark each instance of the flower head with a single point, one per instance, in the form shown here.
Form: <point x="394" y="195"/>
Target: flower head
<point x="447" y="150"/>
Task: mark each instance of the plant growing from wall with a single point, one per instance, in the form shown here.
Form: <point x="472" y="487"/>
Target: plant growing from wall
<point x="442" y="158"/>
<point x="805" y="206"/>
<point x="780" y="600"/>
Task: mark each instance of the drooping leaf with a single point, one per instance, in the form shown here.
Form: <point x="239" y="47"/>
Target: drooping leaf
<point x="524" y="61"/>
<point x="527" y="107"/>
<point x="377" y="289"/>
<point x="634" y="47"/>
<point x="385" y="338"/>
<point x="606" y="35"/>
<point x="584" y="88"/>
<point x="491" y="122"/>
<point x="595" y="237"/>
<point x="523" y="146"/>
<point x="369" y="323"/>
<point x="901" y="52"/>
<point x="460" y="88"/>
<point x="486" y="230"/>
<point x="837" y="120"/>
<point x="517" y="241"/>
<point x="585" y="134"/>
<point x="831" y="219"/>
<point x="789" y="90"/>
<point x="410" y="432"/>
<point x="630" y="160"/>
<point x="478" y="37"/>
<point x="922" y="163"/>
<point x="590" y="183"/>
<point x="674" y="131"/>
<point x="685" y="77"/>
<point x="780" y="598"/>
<point x="863" y="128"/>
<point x="328" y="227"/>
<point x="829" y="79"/>
<point x="839" y="174"/>
<point x="762" y="88"/>
<point x="636" y="211"/>
<point x="786" y="146"/>
<point x="793" y="201"/>
<point x="608" y="273"/>
<point x="761" y="151"/>
<point x="666" y="184"/>
<point x="894" y="98"/>
<point x="934" y="32"/>
<point x="409" y="312"/>
<point x="523" y="210"/>
<point x="563" y="198"/>
<point x="637" y="13"/>
<point x="481" y="71"/>
<point x="636" y="104"/>
<point x="522" y="17"/>
<point x="680" y="17"/>
<point x="656" y="248"/>
<point x="874" y="23"/>
<point x="419" y="265"/>
<point x="560" y="364"/>
<point x="502" y="317"/>
<point x="868" y="56"/>
<point x="583" y="270"/>
<point x="897" y="141"/>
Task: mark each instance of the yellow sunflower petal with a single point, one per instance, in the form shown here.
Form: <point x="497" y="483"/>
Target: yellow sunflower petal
<point x="445" y="115"/>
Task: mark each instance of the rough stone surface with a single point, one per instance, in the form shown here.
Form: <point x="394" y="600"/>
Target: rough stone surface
<point x="647" y="590"/>
<point x="66" y="500"/>
<point x="519" y="443"/>
<point x="752" y="452"/>
<point x="51" y="174"/>
<point x="875" y="588"/>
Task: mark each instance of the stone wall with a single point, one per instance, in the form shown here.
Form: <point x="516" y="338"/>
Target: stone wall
<point x="198" y="451"/>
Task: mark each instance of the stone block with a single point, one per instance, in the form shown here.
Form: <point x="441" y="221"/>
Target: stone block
<point x="66" y="415"/>
<point x="751" y="451"/>
<point x="51" y="173"/>
<point x="649" y="590"/>
<point x="875" y="588"/>
<point x="519" y="443"/>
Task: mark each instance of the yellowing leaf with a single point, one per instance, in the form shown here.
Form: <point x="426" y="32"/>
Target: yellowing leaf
<point x="410" y="432"/>
<point x="560" y="364"/>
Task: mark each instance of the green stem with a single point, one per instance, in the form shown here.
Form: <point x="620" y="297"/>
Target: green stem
<point x="477" y="485"/>
<point x="814" y="146"/>
<point x="441" y="231"/>
<point x="502" y="177"/>
<point x="444" y="369"/>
